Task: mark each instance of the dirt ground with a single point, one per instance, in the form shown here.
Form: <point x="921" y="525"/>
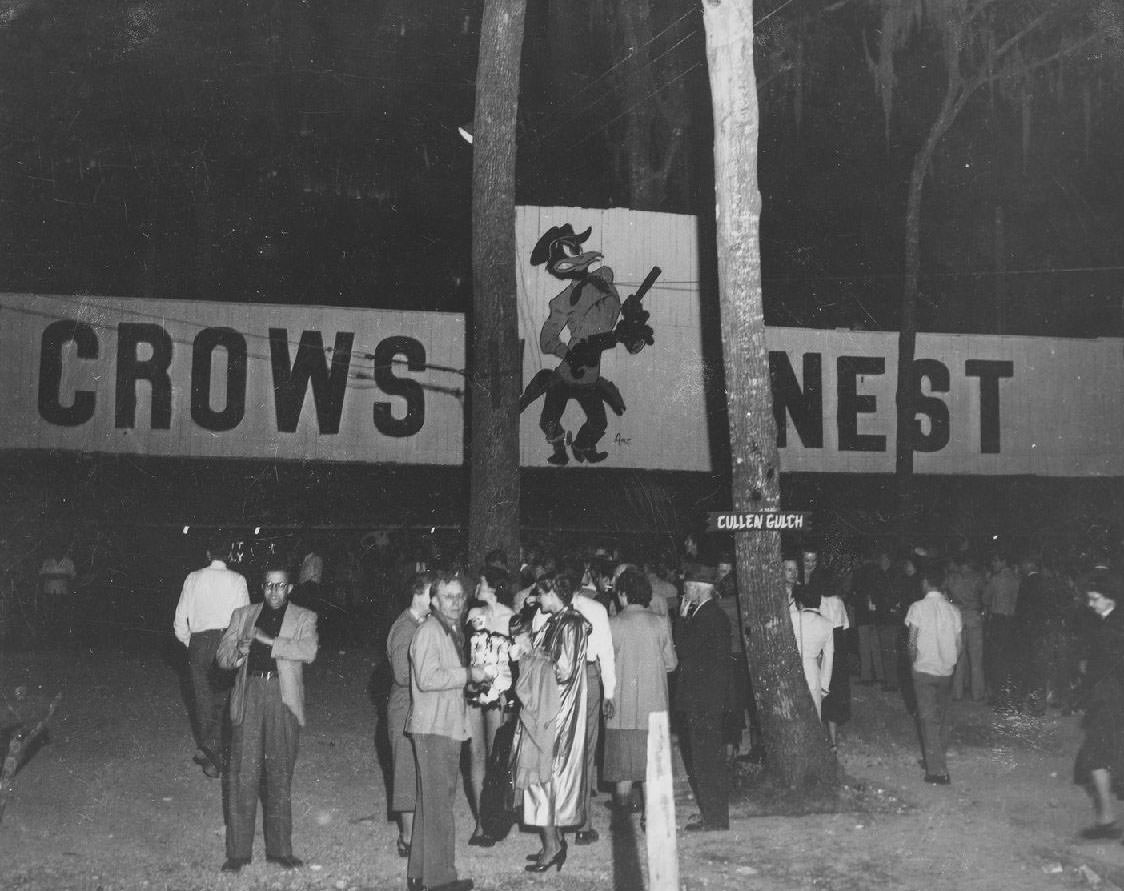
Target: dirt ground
<point x="113" y="801"/>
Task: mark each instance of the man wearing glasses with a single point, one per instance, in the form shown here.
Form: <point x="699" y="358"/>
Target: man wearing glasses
<point x="268" y="643"/>
<point x="438" y="726"/>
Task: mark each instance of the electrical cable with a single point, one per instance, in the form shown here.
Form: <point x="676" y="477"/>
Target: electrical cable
<point x="540" y="139"/>
<point x="630" y="55"/>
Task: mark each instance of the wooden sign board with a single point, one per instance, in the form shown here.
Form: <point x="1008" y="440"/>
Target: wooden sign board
<point x="758" y="521"/>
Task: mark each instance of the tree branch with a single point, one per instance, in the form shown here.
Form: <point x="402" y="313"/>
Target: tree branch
<point x="984" y="78"/>
<point x="983" y="7"/>
<point x="1019" y="35"/>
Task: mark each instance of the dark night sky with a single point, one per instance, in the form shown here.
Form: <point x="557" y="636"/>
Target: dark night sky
<point x="307" y="153"/>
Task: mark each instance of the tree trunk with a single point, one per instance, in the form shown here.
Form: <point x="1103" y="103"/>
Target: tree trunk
<point x="569" y="42"/>
<point x="206" y="229"/>
<point x="655" y="105"/>
<point x="907" y="352"/>
<point x="638" y="84"/>
<point x="797" y="746"/>
<point x="494" y="361"/>
<point x="908" y="509"/>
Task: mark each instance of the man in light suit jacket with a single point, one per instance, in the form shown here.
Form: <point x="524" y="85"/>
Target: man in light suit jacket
<point x="268" y="643"/>
<point x="438" y="727"/>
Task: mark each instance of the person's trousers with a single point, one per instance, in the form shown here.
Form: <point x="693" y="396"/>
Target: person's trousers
<point x="592" y="734"/>
<point x="970" y="664"/>
<point x="934" y="692"/>
<point x="741" y="699"/>
<point x="1000" y="649"/>
<point x="1045" y="670"/>
<point x="263" y="753"/>
<point x="210" y="692"/>
<point x="888" y="649"/>
<point x="870" y="654"/>
<point x="708" y="765"/>
<point x="433" y="847"/>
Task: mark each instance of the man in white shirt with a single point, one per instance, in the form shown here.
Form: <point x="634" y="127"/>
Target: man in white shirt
<point x="208" y="599"/>
<point x="934" y="627"/>
<point x="815" y="641"/>
<point x="601" y="671"/>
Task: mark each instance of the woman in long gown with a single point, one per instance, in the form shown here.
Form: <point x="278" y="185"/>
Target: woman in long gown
<point x="558" y="800"/>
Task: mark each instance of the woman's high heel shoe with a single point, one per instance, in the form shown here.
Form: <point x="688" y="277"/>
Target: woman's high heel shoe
<point x="556" y="861"/>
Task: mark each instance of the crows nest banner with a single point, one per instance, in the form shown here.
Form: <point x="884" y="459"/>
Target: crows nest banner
<point x="171" y="377"/>
<point x="609" y="379"/>
<point x="988" y="405"/>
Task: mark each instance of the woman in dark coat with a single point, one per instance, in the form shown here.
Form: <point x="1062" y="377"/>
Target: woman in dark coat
<point x="1100" y="761"/>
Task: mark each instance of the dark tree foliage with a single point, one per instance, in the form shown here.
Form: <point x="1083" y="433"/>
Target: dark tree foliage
<point x="308" y="153"/>
<point x="255" y="151"/>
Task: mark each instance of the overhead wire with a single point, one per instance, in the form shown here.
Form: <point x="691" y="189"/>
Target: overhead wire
<point x="628" y="57"/>
<point x="572" y="101"/>
<point x="542" y="138"/>
<point x="592" y="132"/>
<point x="353" y="373"/>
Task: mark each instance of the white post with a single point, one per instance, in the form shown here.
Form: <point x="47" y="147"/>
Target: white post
<point x="659" y="792"/>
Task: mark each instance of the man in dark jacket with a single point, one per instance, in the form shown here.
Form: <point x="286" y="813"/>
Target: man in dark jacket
<point x="703" y="688"/>
<point x="871" y="588"/>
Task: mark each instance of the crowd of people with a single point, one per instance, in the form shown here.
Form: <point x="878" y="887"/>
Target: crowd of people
<point x="545" y="653"/>
<point x="548" y="670"/>
<point x="1023" y="625"/>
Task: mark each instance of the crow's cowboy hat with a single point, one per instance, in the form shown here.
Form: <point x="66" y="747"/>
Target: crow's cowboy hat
<point x="541" y="253"/>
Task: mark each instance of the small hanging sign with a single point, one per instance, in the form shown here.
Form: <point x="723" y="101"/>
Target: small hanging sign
<point x="758" y="521"/>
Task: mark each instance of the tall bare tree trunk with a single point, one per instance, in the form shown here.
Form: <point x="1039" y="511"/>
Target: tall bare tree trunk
<point x="634" y="18"/>
<point x="907" y="352"/>
<point x="655" y="105"/>
<point x="794" y="737"/>
<point x="494" y="361"/>
<point x="568" y="37"/>
<point x="907" y="384"/>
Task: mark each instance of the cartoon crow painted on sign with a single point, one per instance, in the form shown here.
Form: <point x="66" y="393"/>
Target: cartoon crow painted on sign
<point x="591" y="309"/>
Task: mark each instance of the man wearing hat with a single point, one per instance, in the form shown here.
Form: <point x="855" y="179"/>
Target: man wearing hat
<point x="702" y="690"/>
<point x="589" y="307"/>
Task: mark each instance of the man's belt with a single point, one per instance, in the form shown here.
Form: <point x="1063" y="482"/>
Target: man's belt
<point x="264" y="675"/>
